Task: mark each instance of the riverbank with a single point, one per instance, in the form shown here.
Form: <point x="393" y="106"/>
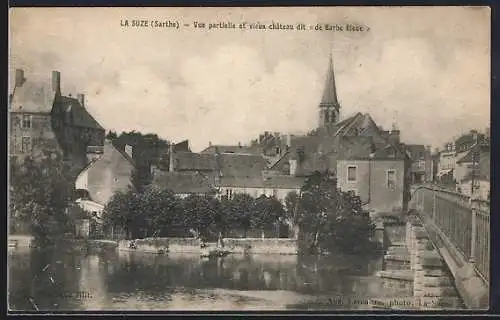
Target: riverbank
<point x="230" y="245"/>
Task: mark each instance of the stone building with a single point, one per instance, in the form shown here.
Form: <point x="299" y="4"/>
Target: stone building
<point x="473" y="172"/>
<point x="422" y="164"/>
<point x="44" y="121"/>
<point x="109" y="171"/>
<point x="225" y="174"/>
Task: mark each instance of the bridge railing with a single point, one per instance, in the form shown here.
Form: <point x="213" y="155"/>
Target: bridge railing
<point x="464" y="221"/>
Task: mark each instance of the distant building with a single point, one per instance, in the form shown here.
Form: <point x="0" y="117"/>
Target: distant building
<point x="421" y="167"/>
<point x="44" y="121"/>
<point x="435" y="164"/>
<point x="473" y="169"/>
<point x="239" y="149"/>
<point x="450" y="171"/>
<point x="446" y="165"/>
<point x="224" y="174"/>
<point x="108" y="172"/>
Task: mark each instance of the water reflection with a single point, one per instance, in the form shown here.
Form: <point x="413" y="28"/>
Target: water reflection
<point x="59" y="281"/>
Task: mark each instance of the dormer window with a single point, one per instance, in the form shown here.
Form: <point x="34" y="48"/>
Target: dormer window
<point x="26" y="121"/>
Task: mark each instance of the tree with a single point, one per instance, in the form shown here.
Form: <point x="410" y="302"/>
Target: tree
<point x="238" y="211"/>
<point x="123" y="210"/>
<point x="141" y="178"/>
<point x="111" y="135"/>
<point x="265" y="212"/>
<point x="39" y="193"/>
<point x="200" y="213"/>
<point x="335" y="219"/>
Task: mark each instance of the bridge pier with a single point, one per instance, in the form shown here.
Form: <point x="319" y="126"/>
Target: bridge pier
<point x="429" y="285"/>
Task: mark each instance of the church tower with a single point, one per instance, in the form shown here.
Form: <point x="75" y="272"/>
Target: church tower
<point x="329" y="107"/>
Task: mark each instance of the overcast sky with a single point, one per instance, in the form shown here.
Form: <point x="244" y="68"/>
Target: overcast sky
<point x="425" y="68"/>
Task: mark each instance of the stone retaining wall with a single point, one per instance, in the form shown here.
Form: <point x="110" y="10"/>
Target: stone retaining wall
<point x="232" y="245"/>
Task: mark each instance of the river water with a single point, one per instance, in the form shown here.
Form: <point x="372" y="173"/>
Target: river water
<point x="140" y="281"/>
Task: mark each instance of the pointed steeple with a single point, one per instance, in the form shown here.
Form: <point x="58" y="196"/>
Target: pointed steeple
<point x="329" y="106"/>
<point x="330" y="90"/>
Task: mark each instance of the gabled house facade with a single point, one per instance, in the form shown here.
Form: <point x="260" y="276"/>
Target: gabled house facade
<point x="108" y="172"/>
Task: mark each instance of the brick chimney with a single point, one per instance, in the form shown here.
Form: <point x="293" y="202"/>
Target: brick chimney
<point x="81" y="99"/>
<point x="19" y="80"/>
<point x="56" y="81"/>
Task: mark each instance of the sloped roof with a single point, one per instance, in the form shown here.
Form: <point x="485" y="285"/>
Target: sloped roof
<point x="415" y="150"/>
<point x="314" y="162"/>
<point x="182" y="182"/>
<point x="182" y="146"/>
<point x="361" y="147"/>
<point x="232" y="149"/>
<point x="194" y="161"/>
<point x="33" y="97"/>
<point x="483" y="149"/>
<point x="238" y="165"/>
<point x="79" y="115"/>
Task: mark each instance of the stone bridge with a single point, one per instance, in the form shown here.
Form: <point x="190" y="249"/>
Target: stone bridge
<point x="440" y="250"/>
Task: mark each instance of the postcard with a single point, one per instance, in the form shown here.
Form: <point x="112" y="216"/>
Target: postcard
<point x="235" y="159"/>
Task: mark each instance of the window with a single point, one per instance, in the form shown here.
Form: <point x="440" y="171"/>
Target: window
<point x="26" y="121"/>
<point x="26" y="144"/>
<point x="351" y="173"/>
<point x="391" y="179"/>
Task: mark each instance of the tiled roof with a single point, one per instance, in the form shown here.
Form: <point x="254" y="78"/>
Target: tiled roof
<point x="194" y="161"/>
<point x="314" y="162"/>
<point x="360" y="147"/>
<point x="238" y="165"/>
<point x="181" y="182"/>
<point x="76" y="113"/>
<point x="33" y="97"/>
<point x="232" y="149"/>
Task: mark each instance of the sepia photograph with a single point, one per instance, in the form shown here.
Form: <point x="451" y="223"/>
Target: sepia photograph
<point x="248" y="159"/>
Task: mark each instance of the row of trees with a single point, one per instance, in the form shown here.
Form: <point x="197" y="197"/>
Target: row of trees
<point x="159" y="211"/>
